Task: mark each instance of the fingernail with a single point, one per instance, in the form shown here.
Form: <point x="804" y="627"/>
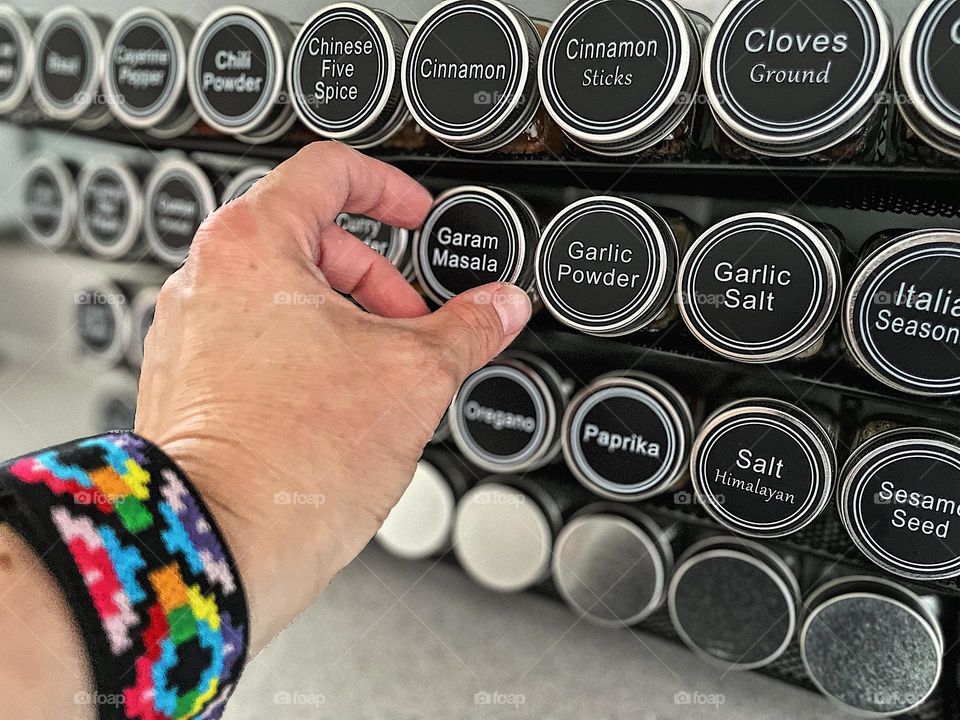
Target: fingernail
<point x="513" y="306"/>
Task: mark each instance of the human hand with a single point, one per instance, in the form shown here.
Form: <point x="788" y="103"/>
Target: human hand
<point x="298" y="416"/>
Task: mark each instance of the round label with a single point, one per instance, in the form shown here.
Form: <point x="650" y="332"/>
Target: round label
<point x="118" y="414"/>
<point x="386" y="240"/>
<point x="234" y="71"/>
<point x="609" y="68"/>
<point x="901" y="504"/>
<point x="761" y="472"/>
<point x="65" y="64"/>
<point x="759" y="287"/>
<point x="501" y="416"/>
<point x="602" y="265"/>
<point x="43" y="202"/>
<point x="11" y="59"/>
<point x="935" y="59"/>
<point x="781" y="70"/>
<point x="465" y="68"/>
<point x="143" y="67"/>
<point x="470" y="238"/>
<point x="342" y="70"/>
<point x="96" y="320"/>
<point x="106" y="207"/>
<point x="176" y="210"/>
<point x="625" y="441"/>
<point x="903" y="315"/>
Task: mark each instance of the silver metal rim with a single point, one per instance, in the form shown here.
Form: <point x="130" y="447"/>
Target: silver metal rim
<point x="68" y="192"/>
<point x="855" y="287"/>
<point x="142" y="121"/>
<point x="130" y="234"/>
<point x="143" y="302"/>
<point x="205" y="197"/>
<point x="70" y="15"/>
<point x="24" y="36"/>
<point x="739" y="130"/>
<point x="247" y="176"/>
<point x="806" y="425"/>
<point x="121" y="318"/>
<point x="829" y="269"/>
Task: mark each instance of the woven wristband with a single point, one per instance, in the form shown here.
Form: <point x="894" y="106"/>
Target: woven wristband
<point x="144" y="569"/>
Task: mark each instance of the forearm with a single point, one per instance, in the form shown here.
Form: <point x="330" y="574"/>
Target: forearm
<point x="44" y="672"/>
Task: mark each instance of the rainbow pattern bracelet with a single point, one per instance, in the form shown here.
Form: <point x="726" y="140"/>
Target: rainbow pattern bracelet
<point x="147" y="574"/>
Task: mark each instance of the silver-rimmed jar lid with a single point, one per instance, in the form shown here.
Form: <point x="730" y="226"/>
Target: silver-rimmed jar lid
<point x="901" y="315"/>
<point x="469" y="73"/>
<point x="102" y="317"/>
<point x="759" y="287"/>
<point x="618" y="76"/>
<point x="606" y="265"/>
<point x="178" y="196"/>
<point x="69" y="63"/>
<point x="612" y="564"/>
<point x="626" y="436"/>
<point x="928" y="61"/>
<point x="420" y="525"/>
<point x="141" y="318"/>
<point x="344" y="74"/>
<point x="871" y="645"/>
<point x="899" y="500"/>
<point x="763" y="467"/>
<point x="110" y="208"/>
<point x="50" y="202"/>
<point x="789" y="79"/>
<point x="17" y="58"/>
<point x="236" y="67"/>
<point x="503" y="535"/>
<point x="473" y="236"/>
<point x="734" y="602"/>
<point x="391" y="242"/>
<point x="243" y="181"/>
<point x="145" y="71"/>
<point x="505" y="417"/>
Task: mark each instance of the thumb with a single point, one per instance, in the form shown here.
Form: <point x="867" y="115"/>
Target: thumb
<point x="476" y="325"/>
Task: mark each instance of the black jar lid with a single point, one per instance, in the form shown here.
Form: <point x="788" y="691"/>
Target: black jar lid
<point x="606" y="265"/>
<point x="235" y="75"/>
<point x="626" y="436"/>
<point x="612" y="564"/>
<point x="344" y="74"/>
<point x="242" y="181"/>
<point x="469" y="73"/>
<point x="901" y="318"/>
<point x="473" y="236"/>
<point x="110" y="208"/>
<point x="391" y="242"/>
<point x="69" y="58"/>
<point x="619" y="75"/>
<point x="899" y="500"/>
<point x="506" y="416"/>
<point x="785" y="78"/>
<point x="734" y="602"/>
<point x="145" y="70"/>
<point x="759" y="287"/>
<point x="871" y="645"/>
<point x="18" y="61"/>
<point x="926" y="75"/>
<point x="178" y="197"/>
<point x="50" y="202"/>
<point x="102" y="319"/>
<point x="763" y="467"/>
